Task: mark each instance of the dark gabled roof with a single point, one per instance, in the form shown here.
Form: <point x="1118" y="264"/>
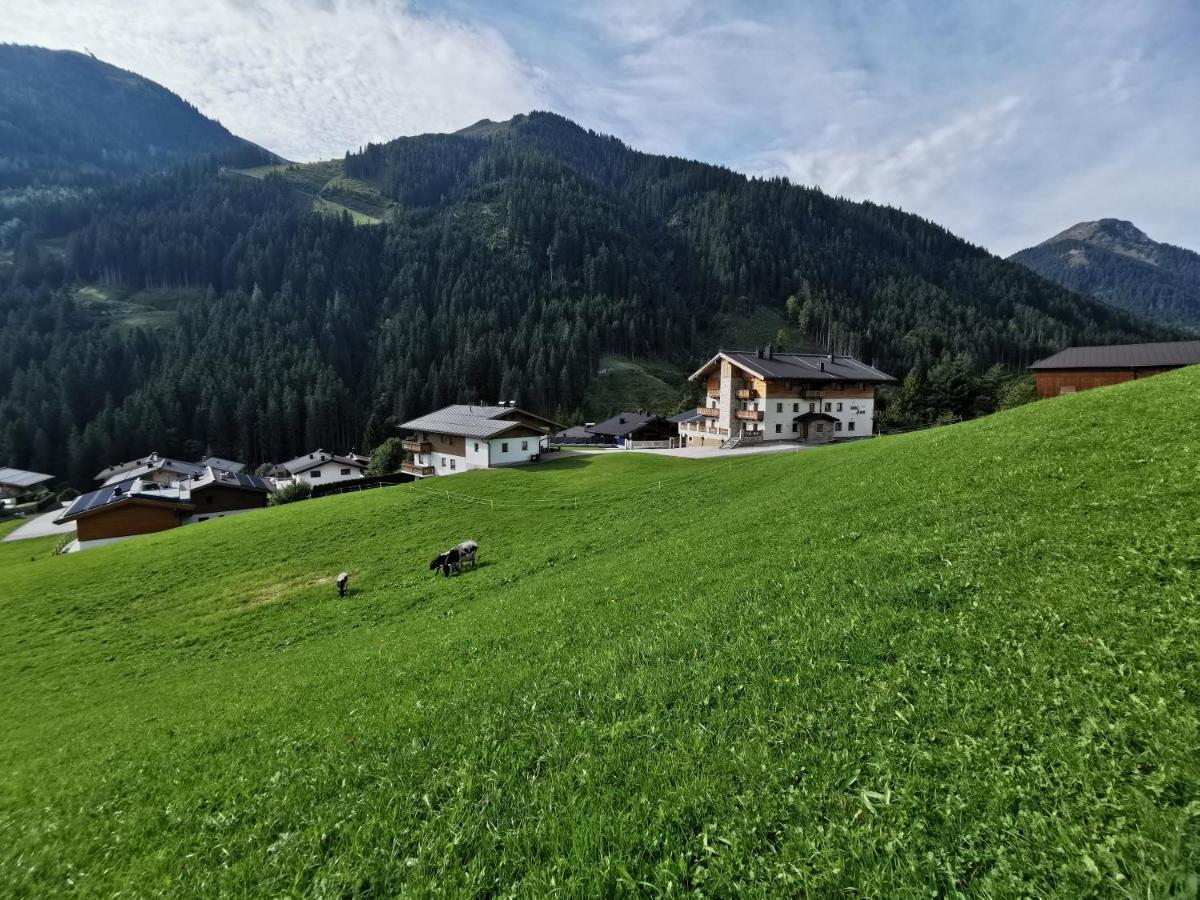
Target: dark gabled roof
<point x="466" y="420"/>
<point x="688" y="415"/>
<point x="21" y="478"/>
<point x="623" y="424"/>
<point x="815" y="416"/>
<point x="799" y="367"/>
<point x="125" y="492"/>
<point x="575" y="431"/>
<point x="1124" y="356"/>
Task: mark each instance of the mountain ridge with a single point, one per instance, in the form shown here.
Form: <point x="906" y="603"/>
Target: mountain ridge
<point x="1118" y="263"/>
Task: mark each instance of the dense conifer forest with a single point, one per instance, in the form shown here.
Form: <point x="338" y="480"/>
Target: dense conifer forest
<point x="514" y="258"/>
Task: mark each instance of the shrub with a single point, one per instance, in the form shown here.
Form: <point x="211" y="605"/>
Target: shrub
<point x="290" y="493"/>
<point x="386" y="458"/>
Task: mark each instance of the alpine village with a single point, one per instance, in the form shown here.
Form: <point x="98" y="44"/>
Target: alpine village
<point x="507" y="511"/>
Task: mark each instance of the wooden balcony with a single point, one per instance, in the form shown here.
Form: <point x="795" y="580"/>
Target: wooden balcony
<point x="417" y="446"/>
<point x="710" y="411"/>
<point x="745" y="394"/>
<point x="419" y="471"/>
<point x="748" y="415"/>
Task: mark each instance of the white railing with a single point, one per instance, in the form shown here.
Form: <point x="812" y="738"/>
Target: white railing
<point x="647" y="445"/>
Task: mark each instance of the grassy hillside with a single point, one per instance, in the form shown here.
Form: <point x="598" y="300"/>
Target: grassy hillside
<point x="332" y="191"/>
<point x="963" y="660"/>
<point x="631" y="384"/>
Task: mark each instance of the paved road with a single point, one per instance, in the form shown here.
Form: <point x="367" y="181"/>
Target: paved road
<point x="40" y="526"/>
<point x="700" y="452"/>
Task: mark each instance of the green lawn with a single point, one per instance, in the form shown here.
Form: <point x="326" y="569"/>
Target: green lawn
<point x="961" y="661"/>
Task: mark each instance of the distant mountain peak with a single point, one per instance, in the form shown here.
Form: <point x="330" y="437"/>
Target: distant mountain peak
<point x="1103" y="231"/>
<point x="1115" y="261"/>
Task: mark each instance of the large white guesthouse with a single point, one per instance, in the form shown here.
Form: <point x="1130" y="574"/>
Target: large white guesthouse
<point x="763" y="395"/>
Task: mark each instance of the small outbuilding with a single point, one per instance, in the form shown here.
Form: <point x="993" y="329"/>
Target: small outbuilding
<point x="637" y="431"/>
<point x="18" y="482"/>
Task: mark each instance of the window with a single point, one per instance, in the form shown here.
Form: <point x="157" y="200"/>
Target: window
<point x="849" y="426"/>
<point x="315" y="473"/>
<point x="812" y="407"/>
<point x="453" y="464"/>
<point x="795" y="407"/>
<point x="839" y="407"/>
<point x="820" y="426"/>
<point x="837" y="427"/>
<point x="477" y="446"/>
<point x="504" y="447"/>
<point x="443" y="462"/>
<point x="828" y="407"/>
<point x="524" y="445"/>
<point x="778" y="428"/>
<point x="778" y="407"/>
<point x="345" y="471"/>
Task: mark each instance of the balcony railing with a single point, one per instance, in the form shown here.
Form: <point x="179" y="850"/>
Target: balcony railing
<point x="419" y="471"/>
<point x="745" y="394"/>
<point x="748" y="415"/>
<point x="417" y="446"/>
<point x="710" y="411"/>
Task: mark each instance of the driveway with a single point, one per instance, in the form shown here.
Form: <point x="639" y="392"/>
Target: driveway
<point x="40" y="526"/>
<point x="700" y="452"/>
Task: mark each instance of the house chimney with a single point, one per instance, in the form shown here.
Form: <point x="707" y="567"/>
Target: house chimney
<point x="770" y="352"/>
<point x="822" y="367"/>
<point x="758" y="352"/>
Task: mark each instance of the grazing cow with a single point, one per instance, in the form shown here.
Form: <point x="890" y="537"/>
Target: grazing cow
<point x="453" y="559"/>
<point x="343" y="581"/>
<point x="438" y="562"/>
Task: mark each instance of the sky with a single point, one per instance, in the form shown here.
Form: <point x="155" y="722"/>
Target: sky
<point x="1004" y="120"/>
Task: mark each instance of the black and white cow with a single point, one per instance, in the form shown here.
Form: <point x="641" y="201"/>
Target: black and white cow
<point x="452" y="560"/>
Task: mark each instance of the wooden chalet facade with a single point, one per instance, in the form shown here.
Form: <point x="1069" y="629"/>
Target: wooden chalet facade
<point x="764" y="395"/>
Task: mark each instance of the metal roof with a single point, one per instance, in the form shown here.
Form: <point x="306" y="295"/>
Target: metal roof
<point x="470" y="421"/>
<point x="317" y="458"/>
<point x="132" y="489"/>
<point x="688" y="415"/>
<point x="1124" y="356"/>
<point x="217" y="462"/>
<point x="624" y="423"/>
<point x="224" y="477"/>
<point x="799" y="366"/>
<point x="21" y="478"/>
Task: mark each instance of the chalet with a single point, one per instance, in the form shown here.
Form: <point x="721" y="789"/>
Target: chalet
<point x="16" y="483"/>
<point x="462" y="437"/>
<point x="767" y="395"/>
<point x="321" y="467"/>
<point x="636" y="431"/>
<point x="1082" y="368"/>
<point x="163" y="469"/>
<point x="144" y="505"/>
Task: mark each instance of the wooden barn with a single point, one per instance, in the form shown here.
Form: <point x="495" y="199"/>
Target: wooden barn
<point x="1082" y="368"/>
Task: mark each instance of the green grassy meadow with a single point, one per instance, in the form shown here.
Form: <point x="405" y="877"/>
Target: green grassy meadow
<point x="964" y="661"/>
<point x="332" y="191"/>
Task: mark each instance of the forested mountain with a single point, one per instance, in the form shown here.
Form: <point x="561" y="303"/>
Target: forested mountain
<point x="68" y="119"/>
<point x="1116" y="262"/>
<point x="511" y="258"/>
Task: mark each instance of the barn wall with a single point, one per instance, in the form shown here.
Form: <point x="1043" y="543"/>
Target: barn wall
<point x="1052" y="384"/>
<point x="125" y="520"/>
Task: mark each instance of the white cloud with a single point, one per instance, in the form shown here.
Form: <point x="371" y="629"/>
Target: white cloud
<point x="1004" y="121"/>
<point x="305" y="78"/>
